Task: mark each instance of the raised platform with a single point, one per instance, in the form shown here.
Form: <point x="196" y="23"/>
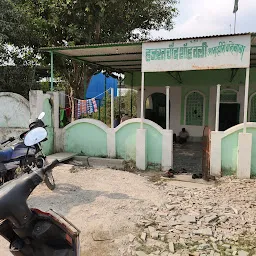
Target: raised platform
<point x="61" y="157"/>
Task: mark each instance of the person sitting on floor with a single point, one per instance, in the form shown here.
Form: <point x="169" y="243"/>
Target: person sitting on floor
<point x="183" y="136"/>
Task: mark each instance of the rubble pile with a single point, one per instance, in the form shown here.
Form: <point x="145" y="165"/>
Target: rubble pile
<point x="216" y="220"/>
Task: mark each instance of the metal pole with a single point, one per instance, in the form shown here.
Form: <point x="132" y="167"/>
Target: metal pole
<point x="246" y="93"/>
<point x="131" y="93"/>
<point x="112" y="107"/>
<point x="235" y="24"/>
<point x="52" y="77"/>
<point x="119" y="97"/>
<point x="142" y="100"/>
<point x="217" y="116"/>
<point x="105" y="100"/>
<point x="167" y="107"/>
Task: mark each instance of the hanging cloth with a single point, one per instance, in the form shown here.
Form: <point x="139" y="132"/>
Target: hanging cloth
<point x="83" y="107"/>
<point x="94" y="103"/>
<point x="78" y="109"/>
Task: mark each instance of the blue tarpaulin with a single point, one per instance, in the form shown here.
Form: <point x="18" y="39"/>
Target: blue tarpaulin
<point x="97" y="86"/>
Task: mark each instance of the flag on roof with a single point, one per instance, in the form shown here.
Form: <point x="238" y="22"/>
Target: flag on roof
<point x="235" y="6"/>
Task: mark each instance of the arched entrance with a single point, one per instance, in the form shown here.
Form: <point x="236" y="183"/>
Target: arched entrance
<point x="156" y="109"/>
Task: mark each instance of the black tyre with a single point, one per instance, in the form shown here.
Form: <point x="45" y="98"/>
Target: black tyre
<point x="49" y="180"/>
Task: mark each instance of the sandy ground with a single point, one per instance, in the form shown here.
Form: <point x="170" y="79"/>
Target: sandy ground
<point x="97" y="200"/>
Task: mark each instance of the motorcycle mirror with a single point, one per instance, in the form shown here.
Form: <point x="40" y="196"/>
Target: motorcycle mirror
<point x="41" y="116"/>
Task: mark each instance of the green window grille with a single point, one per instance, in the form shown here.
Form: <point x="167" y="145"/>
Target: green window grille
<point x="228" y="96"/>
<point x="194" y="109"/>
<point x="253" y="109"/>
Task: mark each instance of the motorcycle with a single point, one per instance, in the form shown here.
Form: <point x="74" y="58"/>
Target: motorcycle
<point x="32" y="232"/>
<point x="26" y="154"/>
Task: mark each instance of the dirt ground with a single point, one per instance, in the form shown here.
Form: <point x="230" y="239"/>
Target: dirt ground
<point x="115" y="209"/>
<point x="97" y="200"/>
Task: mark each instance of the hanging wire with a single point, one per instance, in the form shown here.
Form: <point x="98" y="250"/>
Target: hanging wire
<point x="91" y="98"/>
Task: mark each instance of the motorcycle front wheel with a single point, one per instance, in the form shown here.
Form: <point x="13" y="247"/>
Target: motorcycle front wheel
<point x="49" y="180"/>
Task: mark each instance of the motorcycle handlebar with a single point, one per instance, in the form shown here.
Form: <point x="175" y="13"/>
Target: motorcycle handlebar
<point x="9" y="140"/>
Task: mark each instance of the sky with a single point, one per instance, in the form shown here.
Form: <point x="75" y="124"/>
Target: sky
<point x="210" y="17"/>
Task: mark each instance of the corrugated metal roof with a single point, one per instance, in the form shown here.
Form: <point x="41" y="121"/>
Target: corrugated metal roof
<point x="125" y="56"/>
<point x="137" y="42"/>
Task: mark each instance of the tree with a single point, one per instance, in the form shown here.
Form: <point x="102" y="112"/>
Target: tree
<point x="125" y="106"/>
<point x="73" y="22"/>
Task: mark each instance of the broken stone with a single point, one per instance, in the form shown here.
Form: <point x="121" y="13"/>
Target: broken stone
<point x="203" y="232"/>
<point x="243" y="253"/>
<point x="143" y="236"/>
<point x="203" y="246"/>
<point x="151" y="229"/>
<point x="188" y="219"/>
<point x="171" y="247"/>
<point x="131" y="237"/>
<point x="211" y="218"/>
<point x="227" y="246"/>
<point x="155" y="234"/>
<point x="140" y="253"/>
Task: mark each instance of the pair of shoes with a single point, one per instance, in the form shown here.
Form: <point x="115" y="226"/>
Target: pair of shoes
<point x="197" y="176"/>
<point x="168" y="174"/>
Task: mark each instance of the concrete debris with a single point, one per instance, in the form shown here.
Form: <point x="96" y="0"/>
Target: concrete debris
<point x="201" y="221"/>
<point x="203" y="232"/>
<point x="243" y="253"/>
<point x="171" y="247"/>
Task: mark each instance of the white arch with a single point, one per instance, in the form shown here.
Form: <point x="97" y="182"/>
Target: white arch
<point x="138" y="120"/>
<point x="250" y="102"/>
<point x="185" y="107"/>
<point x="95" y="122"/>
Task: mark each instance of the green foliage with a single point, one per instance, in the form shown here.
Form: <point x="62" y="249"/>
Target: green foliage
<point x="18" y="79"/>
<point x="125" y="106"/>
<point x="30" y="24"/>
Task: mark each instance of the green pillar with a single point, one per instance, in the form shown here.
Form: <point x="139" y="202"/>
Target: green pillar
<point x="52" y="76"/>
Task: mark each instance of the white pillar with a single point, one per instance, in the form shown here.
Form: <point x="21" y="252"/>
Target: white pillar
<point x="167" y="107"/>
<point x="142" y="100"/>
<point x="112" y="107"/>
<point x="141" y="149"/>
<point x="244" y="155"/>
<point x="246" y="92"/>
<point x="217" y="116"/>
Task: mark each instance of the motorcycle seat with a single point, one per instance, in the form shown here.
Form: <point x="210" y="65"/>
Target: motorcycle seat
<point x="6" y="154"/>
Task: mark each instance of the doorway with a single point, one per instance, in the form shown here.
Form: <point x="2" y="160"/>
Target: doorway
<point x="156" y="109"/>
<point x="229" y="115"/>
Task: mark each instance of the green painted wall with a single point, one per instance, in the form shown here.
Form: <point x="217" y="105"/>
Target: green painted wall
<point x="126" y="143"/>
<point x="86" y="139"/>
<point x="193" y="78"/>
<point x="48" y="146"/>
<point x="229" y="147"/>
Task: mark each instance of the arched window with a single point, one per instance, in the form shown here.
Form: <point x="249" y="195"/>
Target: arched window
<point x="253" y="108"/>
<point x="194" y="109"/>
<point x="228" y="96"/>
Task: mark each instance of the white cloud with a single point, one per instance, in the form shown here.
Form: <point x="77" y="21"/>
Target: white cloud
<point x="211" y="17"/>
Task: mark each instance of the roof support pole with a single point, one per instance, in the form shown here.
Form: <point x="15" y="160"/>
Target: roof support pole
<point x="246" y="93"/>
<point x="167" y="107"/>
<point x="217" y="115"/>
<point x="131" y="93"/>
<point x="112" y="107"/>
<point x="142" y="100"/>
<point x="52" y="76"/>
